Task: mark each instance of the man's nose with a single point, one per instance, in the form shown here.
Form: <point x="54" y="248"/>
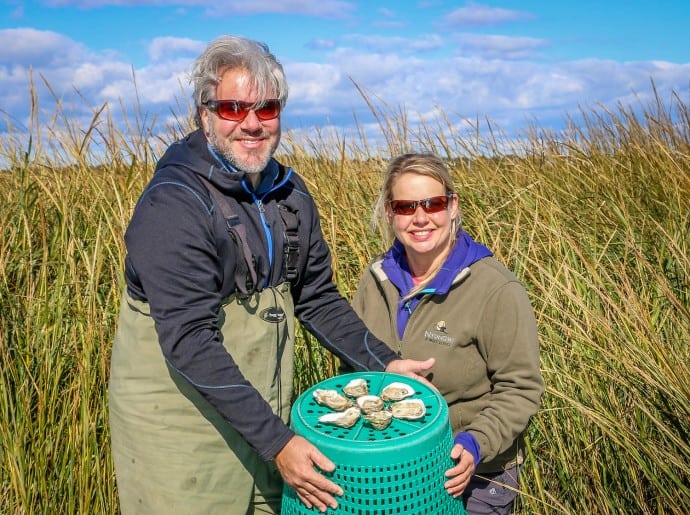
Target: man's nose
<point x="251" y="122"/>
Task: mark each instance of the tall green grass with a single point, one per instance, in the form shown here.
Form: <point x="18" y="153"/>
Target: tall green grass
<point x="594" y="220"/>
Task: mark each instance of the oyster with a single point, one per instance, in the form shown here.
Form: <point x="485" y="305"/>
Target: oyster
<point x="346" y="418"/>
<point x="370" y="403"/>
<point x="333" y="399"/>
<point x="379" y="419"/>
<point x="356" y="388"/>
<point x="396" y="392"/>
<point x="410" y="409"/>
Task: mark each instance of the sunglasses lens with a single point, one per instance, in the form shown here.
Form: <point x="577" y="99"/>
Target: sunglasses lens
<point x="231" y="110"/>
<point x="429" y="205"/>
<point x="268" y="111"/>
<point x="403" y="207"/>
<point x="435" y="204"/>
<point x="236" y="111"/>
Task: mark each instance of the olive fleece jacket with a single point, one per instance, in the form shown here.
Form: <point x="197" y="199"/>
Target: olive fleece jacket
<point x="483" y="334"/>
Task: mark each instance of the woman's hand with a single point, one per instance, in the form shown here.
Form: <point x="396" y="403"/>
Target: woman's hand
<point x="459" y="476"/>
<point x="412" y="368"/>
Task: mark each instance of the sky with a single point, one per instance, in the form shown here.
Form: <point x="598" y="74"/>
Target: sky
<point x="516" y="63"/>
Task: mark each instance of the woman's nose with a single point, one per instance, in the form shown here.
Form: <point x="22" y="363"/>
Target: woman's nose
<point x="420" y="214"/>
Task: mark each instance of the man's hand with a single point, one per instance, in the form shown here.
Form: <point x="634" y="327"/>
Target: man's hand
<point x="296" y="462"/>
<point x="412" y="368"/>
<point x="459" y="476"/>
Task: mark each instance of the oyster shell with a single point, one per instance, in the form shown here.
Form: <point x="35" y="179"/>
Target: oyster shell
<point x="379" y="419"/>
<point x="333" y="399"/>
<point x="370" y="403"/>
<point x="396" y="392"/>
<point x="356" y="388"/>
<point x="410" y="409"/>
<point x="346" y="418"/>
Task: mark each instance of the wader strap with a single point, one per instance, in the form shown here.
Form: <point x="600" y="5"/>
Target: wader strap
<point x="244" y="270"/>
<point x="291" y="248"/>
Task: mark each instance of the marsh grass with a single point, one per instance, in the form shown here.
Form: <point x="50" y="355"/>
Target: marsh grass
<point x="594" y="220"/>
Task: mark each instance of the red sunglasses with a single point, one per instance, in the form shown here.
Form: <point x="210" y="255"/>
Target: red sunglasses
<point x="429" y="205"/>
<point x="237" y="110"/>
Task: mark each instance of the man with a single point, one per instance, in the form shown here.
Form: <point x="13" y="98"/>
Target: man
<point x="223" y="250"/>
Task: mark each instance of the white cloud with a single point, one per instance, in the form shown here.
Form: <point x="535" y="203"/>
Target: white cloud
<point x="88" y="75"/>
<point x="329" y="9"/>
<point x="161" y="85"/>
<point x="386" y="13"/>
<point x="473" y="87"/>
<point x="375" y="43"/>
<point x="314" y="87"/>
<point x="476" y="15"/>
<point x="62" y="70"/>
<point x="321" y="44"/>
<point x="172" y="48"/>
<point x="482" y="81"/>
<point x="387" y="19"/>
<point x="334" y="9"/>
<point x="39" y="48"/>
<point x="501" y="47"/>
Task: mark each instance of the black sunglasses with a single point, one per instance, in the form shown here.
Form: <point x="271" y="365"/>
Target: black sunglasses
<point x="429" y="205"/>
<point x="237" y="110"/>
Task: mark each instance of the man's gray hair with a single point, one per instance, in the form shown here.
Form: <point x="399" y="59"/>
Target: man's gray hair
<point x="234" y="52"/>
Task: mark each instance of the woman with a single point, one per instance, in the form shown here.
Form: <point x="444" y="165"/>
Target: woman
<point x="436" y="292"/>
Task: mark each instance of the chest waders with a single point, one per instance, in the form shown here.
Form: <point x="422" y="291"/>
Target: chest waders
<point x="173" y="451"/>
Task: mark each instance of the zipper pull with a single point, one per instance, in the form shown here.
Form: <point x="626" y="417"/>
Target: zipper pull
<point x="260" y="205"/>
<point x="407" y="306"/>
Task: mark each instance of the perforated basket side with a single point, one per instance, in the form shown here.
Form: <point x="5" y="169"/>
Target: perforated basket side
<point x="411" y="487"/>
<point x="399" y="470"/>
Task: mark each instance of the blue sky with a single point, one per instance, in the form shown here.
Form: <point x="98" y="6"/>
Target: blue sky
<point x="513" y="62"/>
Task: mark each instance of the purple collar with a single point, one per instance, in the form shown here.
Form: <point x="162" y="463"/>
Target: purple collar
<point x="465" y="251"/>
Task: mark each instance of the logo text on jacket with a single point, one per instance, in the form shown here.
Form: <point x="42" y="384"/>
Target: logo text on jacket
<point x="274" y="315"/>
<point x="439" y="334"/>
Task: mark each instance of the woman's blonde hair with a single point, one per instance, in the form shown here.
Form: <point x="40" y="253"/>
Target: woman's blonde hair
<point x="428" y="165"/>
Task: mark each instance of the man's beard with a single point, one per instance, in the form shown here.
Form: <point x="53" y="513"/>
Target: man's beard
<point x="248" y="166"/>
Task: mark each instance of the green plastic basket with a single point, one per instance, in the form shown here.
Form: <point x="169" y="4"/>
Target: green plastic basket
<point x="397" y="470"/>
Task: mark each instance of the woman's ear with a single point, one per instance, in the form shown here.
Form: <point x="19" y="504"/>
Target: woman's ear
<point x="389" y="214"/>
<point x="454" y="208"/>
<point x="455" y="211"/>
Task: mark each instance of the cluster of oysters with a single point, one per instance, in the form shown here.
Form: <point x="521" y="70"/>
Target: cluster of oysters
<point x="373" y="408"/>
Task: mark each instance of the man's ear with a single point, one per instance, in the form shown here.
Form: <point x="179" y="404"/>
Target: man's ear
<point x="205" y="122"/>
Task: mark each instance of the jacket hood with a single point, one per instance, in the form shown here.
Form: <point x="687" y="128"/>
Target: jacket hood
<point x="465" y="251"/>
<point x="394" y="264"/>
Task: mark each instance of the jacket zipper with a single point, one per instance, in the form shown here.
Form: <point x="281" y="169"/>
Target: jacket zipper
<point x="262" y="215"/>
<point x="424" y="299"/>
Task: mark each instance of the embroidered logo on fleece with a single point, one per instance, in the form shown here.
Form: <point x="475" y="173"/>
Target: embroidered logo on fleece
<point x="438" y="334"/>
